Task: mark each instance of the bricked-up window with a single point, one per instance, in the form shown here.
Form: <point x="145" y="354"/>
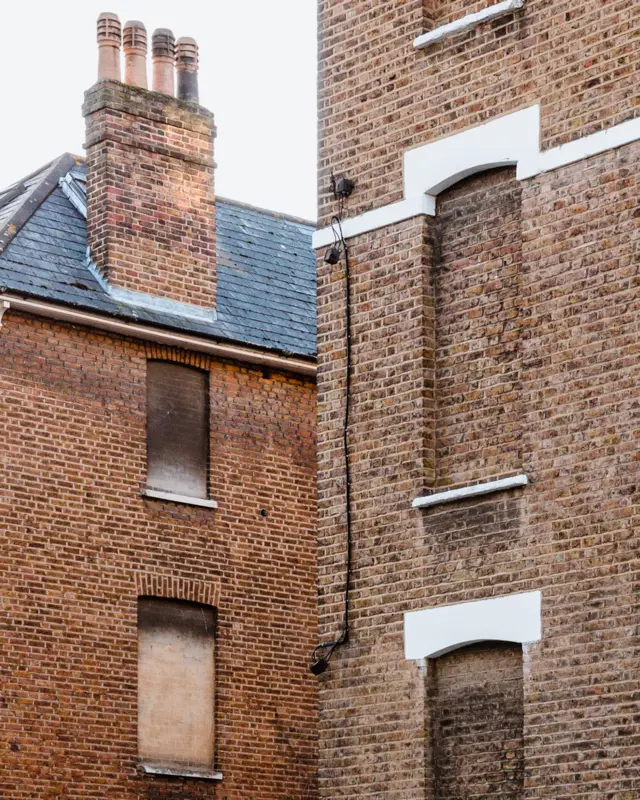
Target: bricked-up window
<point x="176" y="648"/>
<point x="475" y="706"/>
<point x="177" y="429"/>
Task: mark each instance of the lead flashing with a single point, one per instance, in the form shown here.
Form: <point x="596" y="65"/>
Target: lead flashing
<point x="477" y="490"/>
<point x="467" y="23"/>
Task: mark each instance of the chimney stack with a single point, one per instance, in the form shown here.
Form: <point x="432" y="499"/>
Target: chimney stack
<point x="150" y="174"/>
<point x="109" y="41"/>
<point x="163" y="49"/>
<point x="187" y="55"/>
<point x="134" y="39"/>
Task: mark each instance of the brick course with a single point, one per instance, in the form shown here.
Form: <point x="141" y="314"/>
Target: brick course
<point x="79" y="544"/>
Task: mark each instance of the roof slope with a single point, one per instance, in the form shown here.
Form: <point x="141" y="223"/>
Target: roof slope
<point x="265" y="264"/>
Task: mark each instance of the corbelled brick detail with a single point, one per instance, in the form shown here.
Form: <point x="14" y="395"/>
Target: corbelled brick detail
<point x="150" y="192"/>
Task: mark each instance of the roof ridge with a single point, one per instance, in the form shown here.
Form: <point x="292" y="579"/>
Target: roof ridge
<point x="35" y="196"/>
<point x="277" y="214"/>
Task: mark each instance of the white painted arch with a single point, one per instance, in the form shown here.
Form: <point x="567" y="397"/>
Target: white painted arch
<point x="511" y="140"/>
<point x="433" y="632"/>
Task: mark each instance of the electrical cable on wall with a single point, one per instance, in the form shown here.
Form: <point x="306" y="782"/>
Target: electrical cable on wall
<point x="323" y="651"/>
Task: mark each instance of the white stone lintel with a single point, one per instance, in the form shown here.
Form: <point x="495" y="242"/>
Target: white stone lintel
<point x="433" y="632"/>
<point x="422" y="205"/>
<point x="467" y="23"/>
<point x="478" y="489"/>
<point x="179" y="498"/>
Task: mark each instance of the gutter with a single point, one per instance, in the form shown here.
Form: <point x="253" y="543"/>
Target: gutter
<point x="298" y="366"/>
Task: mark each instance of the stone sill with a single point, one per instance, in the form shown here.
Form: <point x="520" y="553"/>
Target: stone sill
<point x="179" y="498"/>
<point x="451" y="495"/>
<point x="467" y="23"/>
<point x="182" y="772"/>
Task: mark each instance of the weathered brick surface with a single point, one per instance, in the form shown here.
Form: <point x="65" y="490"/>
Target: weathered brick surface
<point x="580" y="59"/>
<point x="478" y="270"/>
<point x="150" y="192"/>
<point x="78" y="544"/>
<point x="569" y="241"/>
<point x="475" y="712"/>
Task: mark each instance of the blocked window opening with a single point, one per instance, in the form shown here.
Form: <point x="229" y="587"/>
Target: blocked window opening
<point x="177" y="429"/>
<point x="176" y="649"/>
<point x="477" y="330"/>
<point x="475" y="718"/>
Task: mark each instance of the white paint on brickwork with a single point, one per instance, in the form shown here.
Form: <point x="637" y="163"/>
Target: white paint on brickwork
<point x="421" y="205"/>
<point x="4" y="306"/>
<point x="179" y="498"/>
<point x="433" y="632"/>
<point x="467" y="23"/>
<point x="451" y="495"/>
<point x="501" y="142"/>
<point x="594" y="145"/>
<point x="512" y="140"/>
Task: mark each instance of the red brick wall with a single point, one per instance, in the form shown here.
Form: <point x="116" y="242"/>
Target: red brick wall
<point x="379" y="97"/>
<point x="572" y="533"/>
<point x="150" y="196"/>
<point x="79" y="544"/>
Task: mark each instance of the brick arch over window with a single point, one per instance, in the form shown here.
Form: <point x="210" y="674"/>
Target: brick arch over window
<point x="189" y="358"/>
<point x="171" y="587"/>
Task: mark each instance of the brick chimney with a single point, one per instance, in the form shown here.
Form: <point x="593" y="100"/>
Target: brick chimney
<point x="150" y="195"/>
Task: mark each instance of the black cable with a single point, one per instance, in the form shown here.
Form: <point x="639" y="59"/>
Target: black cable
<point x="330" y="646"/>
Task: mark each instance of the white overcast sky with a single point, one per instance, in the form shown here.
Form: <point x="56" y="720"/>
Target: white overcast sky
<point x="257" y="74"/>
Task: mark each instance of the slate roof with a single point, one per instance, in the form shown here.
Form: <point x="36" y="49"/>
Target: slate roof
<point x="265" y="264"/>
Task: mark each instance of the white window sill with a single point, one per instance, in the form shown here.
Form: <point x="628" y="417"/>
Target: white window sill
<point x="179" y="498"/>
<point x="467" y="23"/>
<point x="478" y="489"/>
<point x="182" y="772"/>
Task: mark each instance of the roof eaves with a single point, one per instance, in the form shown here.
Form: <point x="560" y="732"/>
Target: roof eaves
<point x="33" y="199"/>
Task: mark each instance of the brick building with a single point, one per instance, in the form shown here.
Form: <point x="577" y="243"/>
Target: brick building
<point x="157" y="471"/>
<point x="493" y="250"/>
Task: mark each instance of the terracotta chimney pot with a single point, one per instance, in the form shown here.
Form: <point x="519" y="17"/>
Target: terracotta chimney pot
<point x="163" y="48"/>
<point x="109" y="41"/>
<point x="187" y="57"/>
<point x="135" y="54"/>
